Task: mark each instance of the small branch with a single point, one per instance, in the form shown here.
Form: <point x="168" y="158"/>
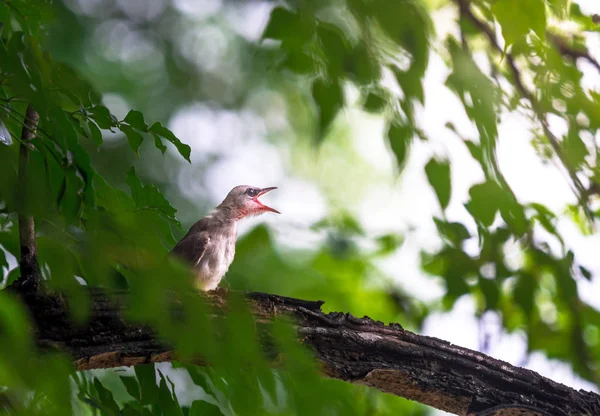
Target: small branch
<point x="28" y="263"/>
<point x="571" y="52"/>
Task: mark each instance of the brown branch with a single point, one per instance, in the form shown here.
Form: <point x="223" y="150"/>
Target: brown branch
<point x="28" y="262"/>
<point x="570" y="51"/>
<point x="580" y="190"/>
<point x="357" y="350"/>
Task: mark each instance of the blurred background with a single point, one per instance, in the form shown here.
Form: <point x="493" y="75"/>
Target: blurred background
<point x="356" y="226"/>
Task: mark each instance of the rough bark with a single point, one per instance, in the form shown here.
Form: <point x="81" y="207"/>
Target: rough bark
<point x="357" y="350"/>
<point x="28" y="262"/>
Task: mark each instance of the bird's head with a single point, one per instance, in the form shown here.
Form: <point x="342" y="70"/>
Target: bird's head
<point x="242" y="201"/>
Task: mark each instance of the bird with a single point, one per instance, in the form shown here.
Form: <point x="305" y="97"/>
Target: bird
<point x="209" y="245"/>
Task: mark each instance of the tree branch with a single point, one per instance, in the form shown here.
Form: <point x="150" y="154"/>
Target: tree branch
<point x="28" y="262"/>
<point x="570" y="51"/>
<point x="580" y="191"/>
<point x="357" y="350"/>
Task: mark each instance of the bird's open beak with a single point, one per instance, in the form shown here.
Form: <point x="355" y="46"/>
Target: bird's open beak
<point x="262" y="206"/>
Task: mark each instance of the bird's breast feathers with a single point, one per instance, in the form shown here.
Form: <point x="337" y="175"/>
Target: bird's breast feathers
<point x="215" y="262"/>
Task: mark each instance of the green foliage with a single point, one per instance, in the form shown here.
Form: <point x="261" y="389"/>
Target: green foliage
<point x="329" y="99"/>
<point x="438" y="174"/>
<point x="400" y="138"/>
<point x="102" y="215"/>
<point x="532" y="17"/>
<point x="149" y="197"/>
<point x="160" y="132"/>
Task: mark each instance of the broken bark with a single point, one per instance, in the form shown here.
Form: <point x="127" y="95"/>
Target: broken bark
<point x="357" y="350"/>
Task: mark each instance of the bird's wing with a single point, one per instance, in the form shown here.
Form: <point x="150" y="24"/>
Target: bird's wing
<point x="192" y="247"/>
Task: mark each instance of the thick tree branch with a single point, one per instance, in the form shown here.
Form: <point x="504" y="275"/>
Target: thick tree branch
<point x="357" y="350"/>
<point x="28" y="262"/>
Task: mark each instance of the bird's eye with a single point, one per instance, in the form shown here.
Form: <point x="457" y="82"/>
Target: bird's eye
<point x="251" y="192"/>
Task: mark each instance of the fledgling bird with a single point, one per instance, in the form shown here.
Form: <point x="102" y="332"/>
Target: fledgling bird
<point x="209" y="245"/>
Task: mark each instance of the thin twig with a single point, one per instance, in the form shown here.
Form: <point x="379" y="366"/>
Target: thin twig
<point x="571" y="52"/>
<point x="38" y="130"/>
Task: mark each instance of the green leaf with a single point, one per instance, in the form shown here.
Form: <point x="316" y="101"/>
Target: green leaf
<point x="575" y="212"/>
<point x="524" y="292"/>
<point x="167" y="400"/>
<point x="70" y="199"/>
<point x="513" y="213"/>
<point x="136" y="120"/>
<point x="475" y="151"/>
<point x="95" y="133"/>
<point x="159" y="144"/>
<point x="199" y="377"/>
<point x="485" y="202"/>
<point x="329" y="98"/>
<point x="106" y="398"/>
<point x="491" y="292"/>
<point x="400" y="138"/>
<point x="567" y="286"/>
<point x="408" y="24"/>
<point x="559" y="7"/>
<point x="411" y="84"/>
<point x="454" y="232"/>
<point x="183" y="149"/>
<point x="103" y="117"/>
<point x="131" y="409"/>
<point x="487" y="199"/>
<point x="335" y="46"/>
<point x="146" y="376"/>
<point x="299" y="62"/>
<point x="547" y="219"/>
<point x="111" y="199"/>
<point x="12" y="276"/>
<point x="517" y="18"/>
<point x="574" y="149"/>
<point x="376" y="102"/>
<point x="586" y="273"/>
<point x="134" y="138"/>
<point x="286" y="25"/>
<point x="480" y="98"/>
<point x="438" y="174"/>
<point x="202" y="408"/>
<point x="69" y="82"/>
<point x="132" y="386"/>
<point x="389" y="243"/>
<point x="454" y="265"/>
<point x="361" y="66"/>
<point x="148" y="196"/>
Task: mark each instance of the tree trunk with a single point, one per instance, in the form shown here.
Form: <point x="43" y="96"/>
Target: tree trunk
<point x="357" y="350"/>
<point x="28" y="262"/>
